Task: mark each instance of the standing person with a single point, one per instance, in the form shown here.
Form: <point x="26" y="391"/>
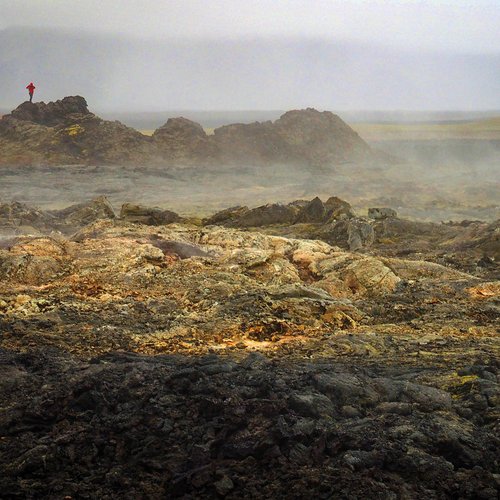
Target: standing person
<point x="31" y="89"/>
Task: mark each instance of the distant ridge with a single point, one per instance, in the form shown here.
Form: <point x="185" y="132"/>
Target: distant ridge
<point x="66" y="132"/>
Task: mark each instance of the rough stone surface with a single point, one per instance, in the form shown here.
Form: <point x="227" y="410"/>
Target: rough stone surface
<point x="188" y="361"/>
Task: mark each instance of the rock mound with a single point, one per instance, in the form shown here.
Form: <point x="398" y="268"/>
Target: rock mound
<point x="65" y="132"/>
<point x="308" y="136"/>
<point x="52" y="114"/>
<point x="183" y="140"/>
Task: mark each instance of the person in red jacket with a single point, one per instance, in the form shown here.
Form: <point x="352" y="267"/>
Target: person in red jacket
<point x="31" y="88"/>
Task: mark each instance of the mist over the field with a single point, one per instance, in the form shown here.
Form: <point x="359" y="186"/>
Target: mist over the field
<point x="419" y="81"/>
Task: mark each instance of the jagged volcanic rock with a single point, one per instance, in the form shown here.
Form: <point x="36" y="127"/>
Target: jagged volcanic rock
<point x="65" y="111"/>
<point x="147" y="215"/>
<point x="65" y="132"/>
<point x="299" y="211"/>
<point x="204" y="362"/>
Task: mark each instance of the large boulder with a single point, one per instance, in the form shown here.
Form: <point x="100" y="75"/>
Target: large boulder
<point x="81" y="214"/>
<point x="381" y="213"/>
<point x="229" y="216"/>
<point x="151" y="216"/>
<point x="314" y="211"/>
<point x="350" y="234"/>
<point x="337" y="208"/>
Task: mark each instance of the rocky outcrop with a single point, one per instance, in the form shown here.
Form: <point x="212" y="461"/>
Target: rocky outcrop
<point x="81" y="214"/>
<point x="151" y="216"/>
<point x="296" y="212"/>
<point x="321" y="137"/>
<point x="18" y="216"/>
<point x="65" y="111"/>
<point x="20" y="219"/>
<point x="66" y="132"/>
<point x="313" y="212"/>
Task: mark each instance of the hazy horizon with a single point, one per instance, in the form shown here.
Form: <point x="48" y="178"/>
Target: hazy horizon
<point x="234" y="55"/>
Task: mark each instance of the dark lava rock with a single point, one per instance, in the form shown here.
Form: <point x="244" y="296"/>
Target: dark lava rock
<point x="265" y="215"/>
<point x="338" y="209"/>
<point x="311" y="405"/>
<point x="381" y="213"/>
<point x="296" y="212"/>
<point x="54" y="113"/>
<point x="273" y="213"/>
<point x="178" y="248"/>
<point x="16" y="215"/>
<point x="314" y="211"/>
<point x="81" y="214"/>
<point x="20" y="218"/>
<point x="228" y="216"/>
<point x="130" y="426"/>
<point x="350" y="234"/>
<point x="147" y="215"/>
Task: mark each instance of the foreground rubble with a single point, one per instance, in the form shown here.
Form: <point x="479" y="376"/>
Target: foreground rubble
<point x="180" y="360"/>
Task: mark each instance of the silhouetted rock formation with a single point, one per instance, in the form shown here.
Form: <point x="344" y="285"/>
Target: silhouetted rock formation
<point x="54" y="113"/>
<point x="66" y="132"/>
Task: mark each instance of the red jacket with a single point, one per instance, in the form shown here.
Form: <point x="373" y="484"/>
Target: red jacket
<point x="31" y="88"/>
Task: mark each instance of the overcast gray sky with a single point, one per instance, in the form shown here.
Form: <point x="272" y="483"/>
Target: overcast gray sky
<point x="253" y="54"/>
<point x="449" y="25"/>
